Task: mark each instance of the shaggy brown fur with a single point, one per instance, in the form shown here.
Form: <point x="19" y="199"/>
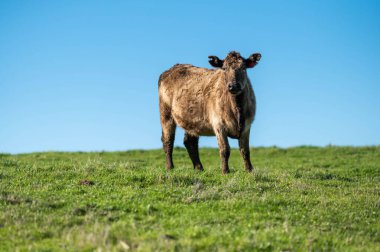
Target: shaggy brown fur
<point x="208" y="102"/>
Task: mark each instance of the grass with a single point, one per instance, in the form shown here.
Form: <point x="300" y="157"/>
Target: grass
<point x="298" y="199"/>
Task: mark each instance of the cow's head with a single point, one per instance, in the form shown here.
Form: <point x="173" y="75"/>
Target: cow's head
<point x="234" y="67"/>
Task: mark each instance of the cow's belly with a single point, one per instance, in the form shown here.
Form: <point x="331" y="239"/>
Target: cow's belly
<point x="199" y="126"/>
<point x="194" y="125"/>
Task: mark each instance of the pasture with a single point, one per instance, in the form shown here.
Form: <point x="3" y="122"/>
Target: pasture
<point x="297" y="199"/>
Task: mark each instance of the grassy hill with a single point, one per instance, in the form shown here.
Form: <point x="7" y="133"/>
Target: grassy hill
<point x="298" y="199"/>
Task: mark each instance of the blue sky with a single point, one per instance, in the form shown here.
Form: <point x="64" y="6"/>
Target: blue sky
<point x="82" y="75"/>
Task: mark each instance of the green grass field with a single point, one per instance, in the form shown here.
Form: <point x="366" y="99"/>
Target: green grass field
<point x="298" y="199"/>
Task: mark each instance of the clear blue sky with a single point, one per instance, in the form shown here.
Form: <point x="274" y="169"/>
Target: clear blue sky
<point x="82" y="75"/>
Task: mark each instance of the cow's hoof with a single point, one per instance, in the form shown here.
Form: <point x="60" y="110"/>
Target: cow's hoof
<point x="226" y="171"/>
<point x="169" y="168"/>
<point x="198" y="167"/>
<point x="250" y="169"/>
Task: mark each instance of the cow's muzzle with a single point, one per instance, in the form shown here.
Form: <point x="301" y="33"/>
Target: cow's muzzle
<point x="234" y="88"/>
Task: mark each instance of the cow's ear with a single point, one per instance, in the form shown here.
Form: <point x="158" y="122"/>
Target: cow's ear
<point x="215" y="61"/>
<point x="253" y="60"/>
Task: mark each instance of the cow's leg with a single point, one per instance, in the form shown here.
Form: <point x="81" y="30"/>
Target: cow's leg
<point x="168" y="134"/>
<point x="224" y="149"/>
<point x="191" y="144"/>
<point x="244" y="151"/>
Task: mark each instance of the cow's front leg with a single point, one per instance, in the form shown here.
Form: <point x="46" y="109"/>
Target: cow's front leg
<point x="244" y="151"/>
<point x="224" y="149"/>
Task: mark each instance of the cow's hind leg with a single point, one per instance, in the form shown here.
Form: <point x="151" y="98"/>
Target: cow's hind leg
<point x="168" y="134"/>
<point x="191" y="144"/>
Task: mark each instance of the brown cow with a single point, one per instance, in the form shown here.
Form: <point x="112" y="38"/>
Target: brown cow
<point x="207" y="102"/>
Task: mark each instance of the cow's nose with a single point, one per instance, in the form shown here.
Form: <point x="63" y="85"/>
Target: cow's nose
<point x="233" y="87"/>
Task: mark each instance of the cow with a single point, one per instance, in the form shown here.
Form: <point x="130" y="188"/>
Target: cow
<point x="208" y="102"/>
